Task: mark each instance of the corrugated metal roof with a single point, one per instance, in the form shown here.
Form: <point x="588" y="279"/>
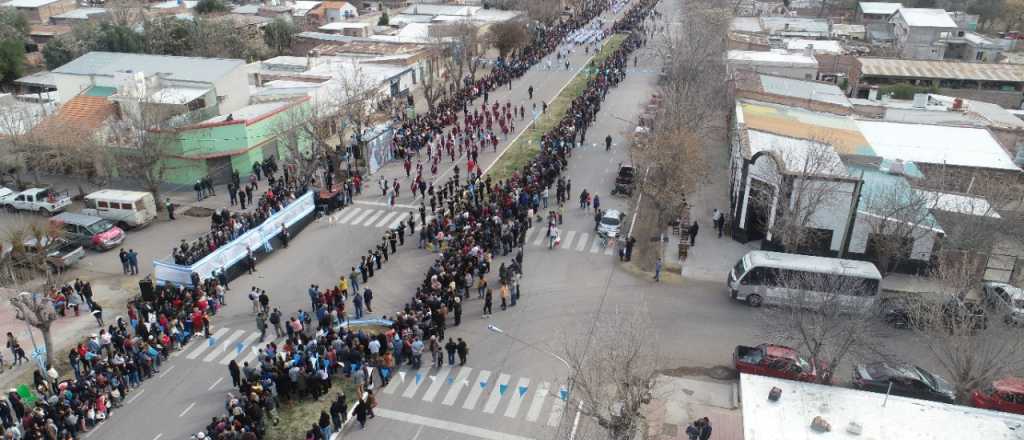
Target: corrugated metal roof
<point x="177" y="68"/>
<point x="812" y="90"/>
<point x="927" y="17"/>
<point x="941" y="69"/>
<point x="879" y="8"/>
<point x="794" y="25"/>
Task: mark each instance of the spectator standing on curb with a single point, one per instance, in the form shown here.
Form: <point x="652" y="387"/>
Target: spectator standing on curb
<point x="170" y="208"/>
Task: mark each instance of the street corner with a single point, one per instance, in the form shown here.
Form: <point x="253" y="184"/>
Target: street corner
<point x="667" y="275"/>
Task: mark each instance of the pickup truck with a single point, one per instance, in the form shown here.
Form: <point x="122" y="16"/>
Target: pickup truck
<point x="42" y="200"/>
<point x="60" y="254"/>
<point x="775" y="361"/>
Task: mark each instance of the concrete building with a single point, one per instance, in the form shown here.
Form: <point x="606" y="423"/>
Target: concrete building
<point x="871" y="415"/>
<point x="876" y="12"/>
<point x="80" y="15"/>
<point x="1001" y="84"/>
<point x="796" y="27"/>
<point x="921" y="33"/>
<point x="40" y="11"/>
<point x="776" y="62"/>
<point x="205" y="82"/>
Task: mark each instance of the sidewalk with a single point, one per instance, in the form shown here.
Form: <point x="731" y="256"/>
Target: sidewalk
<point x="678" y="401"/>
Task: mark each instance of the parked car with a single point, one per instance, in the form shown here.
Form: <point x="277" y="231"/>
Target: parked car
<point x="6" y="194"/>
<point x="906" y="380"/>
<point x="89" y="231"/>
<point x="1006" y="300"/>
<point x="611" y="223"/>
<point x="921" y="312"/>
<point x="624" y="180"/>
<point x="127" y="209"/>
<point x="42" y="200"/>
<point x="1005" y="395"/>
<point x="60" y="253"/>
<point x="775" y="361"/>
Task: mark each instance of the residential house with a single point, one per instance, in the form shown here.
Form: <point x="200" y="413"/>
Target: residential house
<point x="332" y="12"/>
<point x="998" y="83"/>
<point x="796" y="27"/>
<point x="922" y="33"/>
<point x="876" y="12"/>
<point x="80" y="15"/>
<point x="40" y="11"/>
<point x="352" y="29"/>
<point x="775" y="62"/>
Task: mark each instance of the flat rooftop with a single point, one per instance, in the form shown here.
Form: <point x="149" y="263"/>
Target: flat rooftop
<point x="890" y="67"/>
<point x="901" y="418"/>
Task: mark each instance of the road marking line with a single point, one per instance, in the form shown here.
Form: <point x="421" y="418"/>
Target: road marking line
<point x="439" y="379"/>
<point x="475" y="389"/>
<point x="393" y="385"/>
<point x="540" y="238"/>
<point x="158" y="436"/>
<point x="567" y="241"/>
<point x="361" y="217"/>
<point x="556" y="412"/>
<point x="609" y="249"/>
<point x="529" y="234"/>
<point x="373" y="218"/>
<point x="136" y="396"/>
<point x="517" y="398"/>
<point x="538" y="402"/>
<point x="582" y="243"/>
<point x="206" y="344"/>
<point x="446" y="425"/>
<point x="255" y="350"/>
<point x="215" y="383"/>
<point x="94" y="429"/>
<point x="223" y="345"/>
<point x="186" y="410"/>
<point x="399" y="205"/>
<point x="398" y="220"/>
<point x="348" y="215"/>
<point x="384" y="220"/>
<point x="460" y="380"/>
<point x="233" y="352"/>
<point x="166" y="371"/>
<point x="495" y="398"/>
<point x="596" y="246"/>
<point x="413" y="385"/>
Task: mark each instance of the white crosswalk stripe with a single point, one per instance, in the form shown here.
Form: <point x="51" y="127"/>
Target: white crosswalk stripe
<point x="206" y="343"/>
<point x="437" y="381"/>
<point x="398" y="220"/>
<point x="538" y="402"/>
<point x="346" y="216"/>
<point x="461" y="380"/>
<point x="497" y="393"/>
<point x="359" y="219"/>
<point x="596" y="247"/>
<point x="517" y="397"/>
<point x="223" y="345"/>
<point x="556" y="412"/>
<point x="475" y="389"/>
<point x="541" y="237"/>
<point x="233" y="352"/>
<point x="413" y="384"/>
<point x="582" y="242"/>
<point x="384" y="220"/>
<point x="373" y="218"/>
<point x="567" y="240"/>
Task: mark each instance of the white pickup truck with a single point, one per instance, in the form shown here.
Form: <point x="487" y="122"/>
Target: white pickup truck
<point x="42" y="200"/>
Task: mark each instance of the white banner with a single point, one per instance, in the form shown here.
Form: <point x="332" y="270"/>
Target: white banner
<point x="231" y="253"/>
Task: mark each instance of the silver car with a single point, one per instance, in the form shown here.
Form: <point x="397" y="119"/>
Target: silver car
<point x="611" y="223"/>
<point x="1005" y="297"/>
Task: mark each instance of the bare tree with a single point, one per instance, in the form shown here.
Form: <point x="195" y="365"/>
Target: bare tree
<point x="357" y="96"/>
<point x="16" y="121"/>
<point x="29" y="242"/>
<point x="613" y="371"/>
<point x="826" y="316"/>
<point x="306" y="131"/>
<point x="971" y="347"/>
<point x="37" y="310"/>
<point x="144" y="136"/>
<point x="432" y="81"/>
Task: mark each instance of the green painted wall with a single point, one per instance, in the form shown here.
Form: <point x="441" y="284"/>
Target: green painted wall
<point x="249" y="139"/>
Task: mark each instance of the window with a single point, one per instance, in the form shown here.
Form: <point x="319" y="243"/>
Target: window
<point x="754" y="277"/>
<point x="102" y="204"/>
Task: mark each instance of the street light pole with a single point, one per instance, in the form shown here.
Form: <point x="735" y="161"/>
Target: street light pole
<point x="579" y="409"/>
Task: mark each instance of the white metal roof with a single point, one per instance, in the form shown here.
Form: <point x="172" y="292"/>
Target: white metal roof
<point x="80" y="13"/>
<point x="428" y="9"/>
<point x="250" y="111"/>
<point x="803" y="89"/>
<point x="171" y="67"/>
<point x="795" y="25"/>
<point x="745" y="24"/>
<point x="794" y="152"/>
<point x="810" y="263"/>
<point x="28" y="3"/>
<point x="339" y="25"/>
<point x="879" y="8"/>
<point x="177" y="95"/>
<point x="902" y="418"/>
<point x="117" y="195"/>
<point x="927" y="17"/>
<point x="771" y="58"/>
<point x="958" y="203"/>
<point x="936" y="144"/>
<point x="819" y="46"/>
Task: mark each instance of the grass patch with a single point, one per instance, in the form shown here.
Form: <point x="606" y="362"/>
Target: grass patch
<point x="298" y="416"/>
<point x="528" y="145"/>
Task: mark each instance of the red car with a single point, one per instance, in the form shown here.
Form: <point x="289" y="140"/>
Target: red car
<point x="775" y="361"/>
<point x="1005" y="395"/>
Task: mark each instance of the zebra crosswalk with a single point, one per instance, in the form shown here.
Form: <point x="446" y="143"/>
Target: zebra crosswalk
<point x="368" y="217"/>
<point x="571" y="240"/>
<point x="504" y="396"/>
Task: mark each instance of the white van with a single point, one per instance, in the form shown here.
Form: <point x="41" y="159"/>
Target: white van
<point x="131" y="209"/>
<point x="776" y="278"/>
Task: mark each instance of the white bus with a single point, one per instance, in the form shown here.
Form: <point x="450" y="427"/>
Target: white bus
<point x="775" y="278"/>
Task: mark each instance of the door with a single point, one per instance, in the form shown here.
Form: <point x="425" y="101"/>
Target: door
<point x="219" y="169"/>
<point x="19" y="202"/>
<point x="761" y="195"/>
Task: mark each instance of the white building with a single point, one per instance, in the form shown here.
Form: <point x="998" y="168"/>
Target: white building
<point x="776" y="62"/>
<point x="871" y="415"/>
<point x="921" y="33"/>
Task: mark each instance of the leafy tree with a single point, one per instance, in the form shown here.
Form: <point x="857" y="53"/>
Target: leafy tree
<point x="119" y="38"/>
<point x="12" y="23"/>
<point x="220" y="39"/>
<point x="60" y="51"/>
<point x="384" y="19"/>
<point x="210" y="6"/>
<point x="278" y="35"/>
<point x="12" y="60"/>
<point x="168" y="35"/>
